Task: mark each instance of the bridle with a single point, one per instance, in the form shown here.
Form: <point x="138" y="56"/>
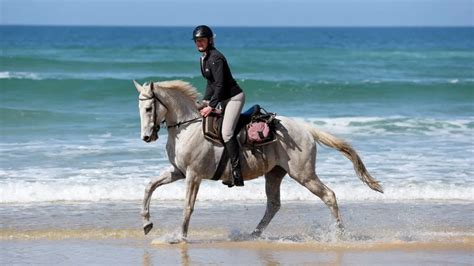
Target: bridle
<point x="177" y="125"/>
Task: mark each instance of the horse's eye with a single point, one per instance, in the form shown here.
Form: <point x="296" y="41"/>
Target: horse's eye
<point x="148" y="109"/>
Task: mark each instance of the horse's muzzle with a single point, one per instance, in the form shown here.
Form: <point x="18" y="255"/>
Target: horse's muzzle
<point x="151" y="138"/>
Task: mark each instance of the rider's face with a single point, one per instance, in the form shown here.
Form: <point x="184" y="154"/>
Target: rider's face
<point x="202" y="44"/>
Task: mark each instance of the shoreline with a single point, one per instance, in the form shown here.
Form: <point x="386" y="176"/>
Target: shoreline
<point x="160" y="239"/>
<point x="409" y="233"/>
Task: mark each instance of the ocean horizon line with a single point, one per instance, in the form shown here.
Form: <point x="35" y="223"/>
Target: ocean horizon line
<point x="245" y="26"/>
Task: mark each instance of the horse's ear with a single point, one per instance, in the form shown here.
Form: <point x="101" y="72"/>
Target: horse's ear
<point x="138" y="86"/>
<point x="151" y="85"/>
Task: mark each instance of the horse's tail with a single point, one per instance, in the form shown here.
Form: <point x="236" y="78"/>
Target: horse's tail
<point x="346" y="149"/>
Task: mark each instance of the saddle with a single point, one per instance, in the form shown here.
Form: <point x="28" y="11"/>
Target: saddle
<point x="259" y="127"/>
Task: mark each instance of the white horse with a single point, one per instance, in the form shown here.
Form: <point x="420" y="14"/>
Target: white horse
<point x="194" y="158"/>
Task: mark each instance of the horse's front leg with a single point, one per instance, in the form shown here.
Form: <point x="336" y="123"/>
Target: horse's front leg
<point x="192" y="188"/>
<point x="165" y="178"/>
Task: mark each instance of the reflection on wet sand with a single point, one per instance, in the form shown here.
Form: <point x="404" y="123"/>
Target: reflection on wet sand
<point x="147" y="259"/>
<point x="273" y="253"/>
<point x="184" y="254"/>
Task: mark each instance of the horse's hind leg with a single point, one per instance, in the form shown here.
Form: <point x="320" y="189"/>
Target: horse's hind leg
<point x="272" y="189"/>
<point x="165" y="178"/>
<point x="313" y="184"/>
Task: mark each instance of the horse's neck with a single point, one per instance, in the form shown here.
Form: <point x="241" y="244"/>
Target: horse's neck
<point x="177" y="116"/>
<point x="180" y="109"/>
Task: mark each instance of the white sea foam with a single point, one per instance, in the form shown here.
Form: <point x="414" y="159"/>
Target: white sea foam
<point x="19" y="75"/>
<point x="91" y="75"/>
<point x="391" y="125"/>
<point x="25" y="192"/>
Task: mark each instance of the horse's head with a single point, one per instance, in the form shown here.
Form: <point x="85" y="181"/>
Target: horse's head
<point x="152" y="111"/>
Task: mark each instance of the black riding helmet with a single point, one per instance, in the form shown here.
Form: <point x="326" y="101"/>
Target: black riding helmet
<point x="202" y="31"/>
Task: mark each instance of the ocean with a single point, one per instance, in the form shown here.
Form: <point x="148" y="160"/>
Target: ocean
<point x="403" y="97"/>
<point x="70" y="132"/>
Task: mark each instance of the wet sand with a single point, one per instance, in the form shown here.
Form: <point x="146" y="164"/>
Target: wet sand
<point x="134" y="252"/>
<point x="410" y="233"/>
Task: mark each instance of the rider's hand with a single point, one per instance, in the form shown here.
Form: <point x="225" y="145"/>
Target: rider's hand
<point x="206" y="111"/>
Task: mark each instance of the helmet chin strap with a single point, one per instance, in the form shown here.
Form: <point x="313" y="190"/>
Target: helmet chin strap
<point x="210" y="45"/>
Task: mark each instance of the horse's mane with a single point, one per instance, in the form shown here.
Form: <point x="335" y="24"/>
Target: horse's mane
<point x="182" y="86"/>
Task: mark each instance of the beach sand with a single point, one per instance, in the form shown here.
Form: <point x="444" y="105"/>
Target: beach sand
<point x="388" y="233"/>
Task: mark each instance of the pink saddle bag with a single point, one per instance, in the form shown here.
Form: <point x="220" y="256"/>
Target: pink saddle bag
<point x="258" y="132"/>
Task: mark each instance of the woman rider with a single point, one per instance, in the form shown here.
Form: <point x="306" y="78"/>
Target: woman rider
<point x="221" y="89"/>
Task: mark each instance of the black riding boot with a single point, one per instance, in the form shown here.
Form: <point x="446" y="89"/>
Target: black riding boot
<point x="233" y="150"/>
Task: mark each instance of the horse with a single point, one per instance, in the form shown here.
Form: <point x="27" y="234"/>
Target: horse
<point x="194" y="158"/>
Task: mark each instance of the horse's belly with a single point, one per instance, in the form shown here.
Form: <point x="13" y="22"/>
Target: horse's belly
<point x="256" y="164"/>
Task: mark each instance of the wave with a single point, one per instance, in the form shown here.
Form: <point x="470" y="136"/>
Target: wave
<point x="20" y="75"/>
<point x="270" y="89"/>
<point x="393" y="125"/>
<point x="27" y="192"/>
<point x="15" y="118"/>
<point x="393" y="107"/>
<point x="361" y="126"/>
<point x="264" y="80"/>
<point x="91" y="75"/>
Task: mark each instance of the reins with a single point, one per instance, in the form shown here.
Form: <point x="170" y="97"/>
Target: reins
<point x="177" y="125"/>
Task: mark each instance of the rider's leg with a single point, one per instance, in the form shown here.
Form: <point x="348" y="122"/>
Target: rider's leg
<point x="231" y="117"/>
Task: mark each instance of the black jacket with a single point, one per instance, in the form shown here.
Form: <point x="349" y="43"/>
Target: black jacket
<point x="221" y="85"/>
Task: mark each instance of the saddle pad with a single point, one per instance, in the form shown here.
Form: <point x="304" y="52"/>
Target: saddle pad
<point x="211" y="127"/>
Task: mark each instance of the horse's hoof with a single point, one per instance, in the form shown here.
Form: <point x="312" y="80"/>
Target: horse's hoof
<point x="340" y="227"/>
<point x="255" y="234"/>
<point x="147" y="228"/>
<point x="340" y="231"/>
<point x="177" y="241"/>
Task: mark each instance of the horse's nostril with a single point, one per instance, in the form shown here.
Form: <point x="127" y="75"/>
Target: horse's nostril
<point x="146" y="138"/>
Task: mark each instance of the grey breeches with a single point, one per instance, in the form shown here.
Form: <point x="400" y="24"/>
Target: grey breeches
<point x="232" y="110"/>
